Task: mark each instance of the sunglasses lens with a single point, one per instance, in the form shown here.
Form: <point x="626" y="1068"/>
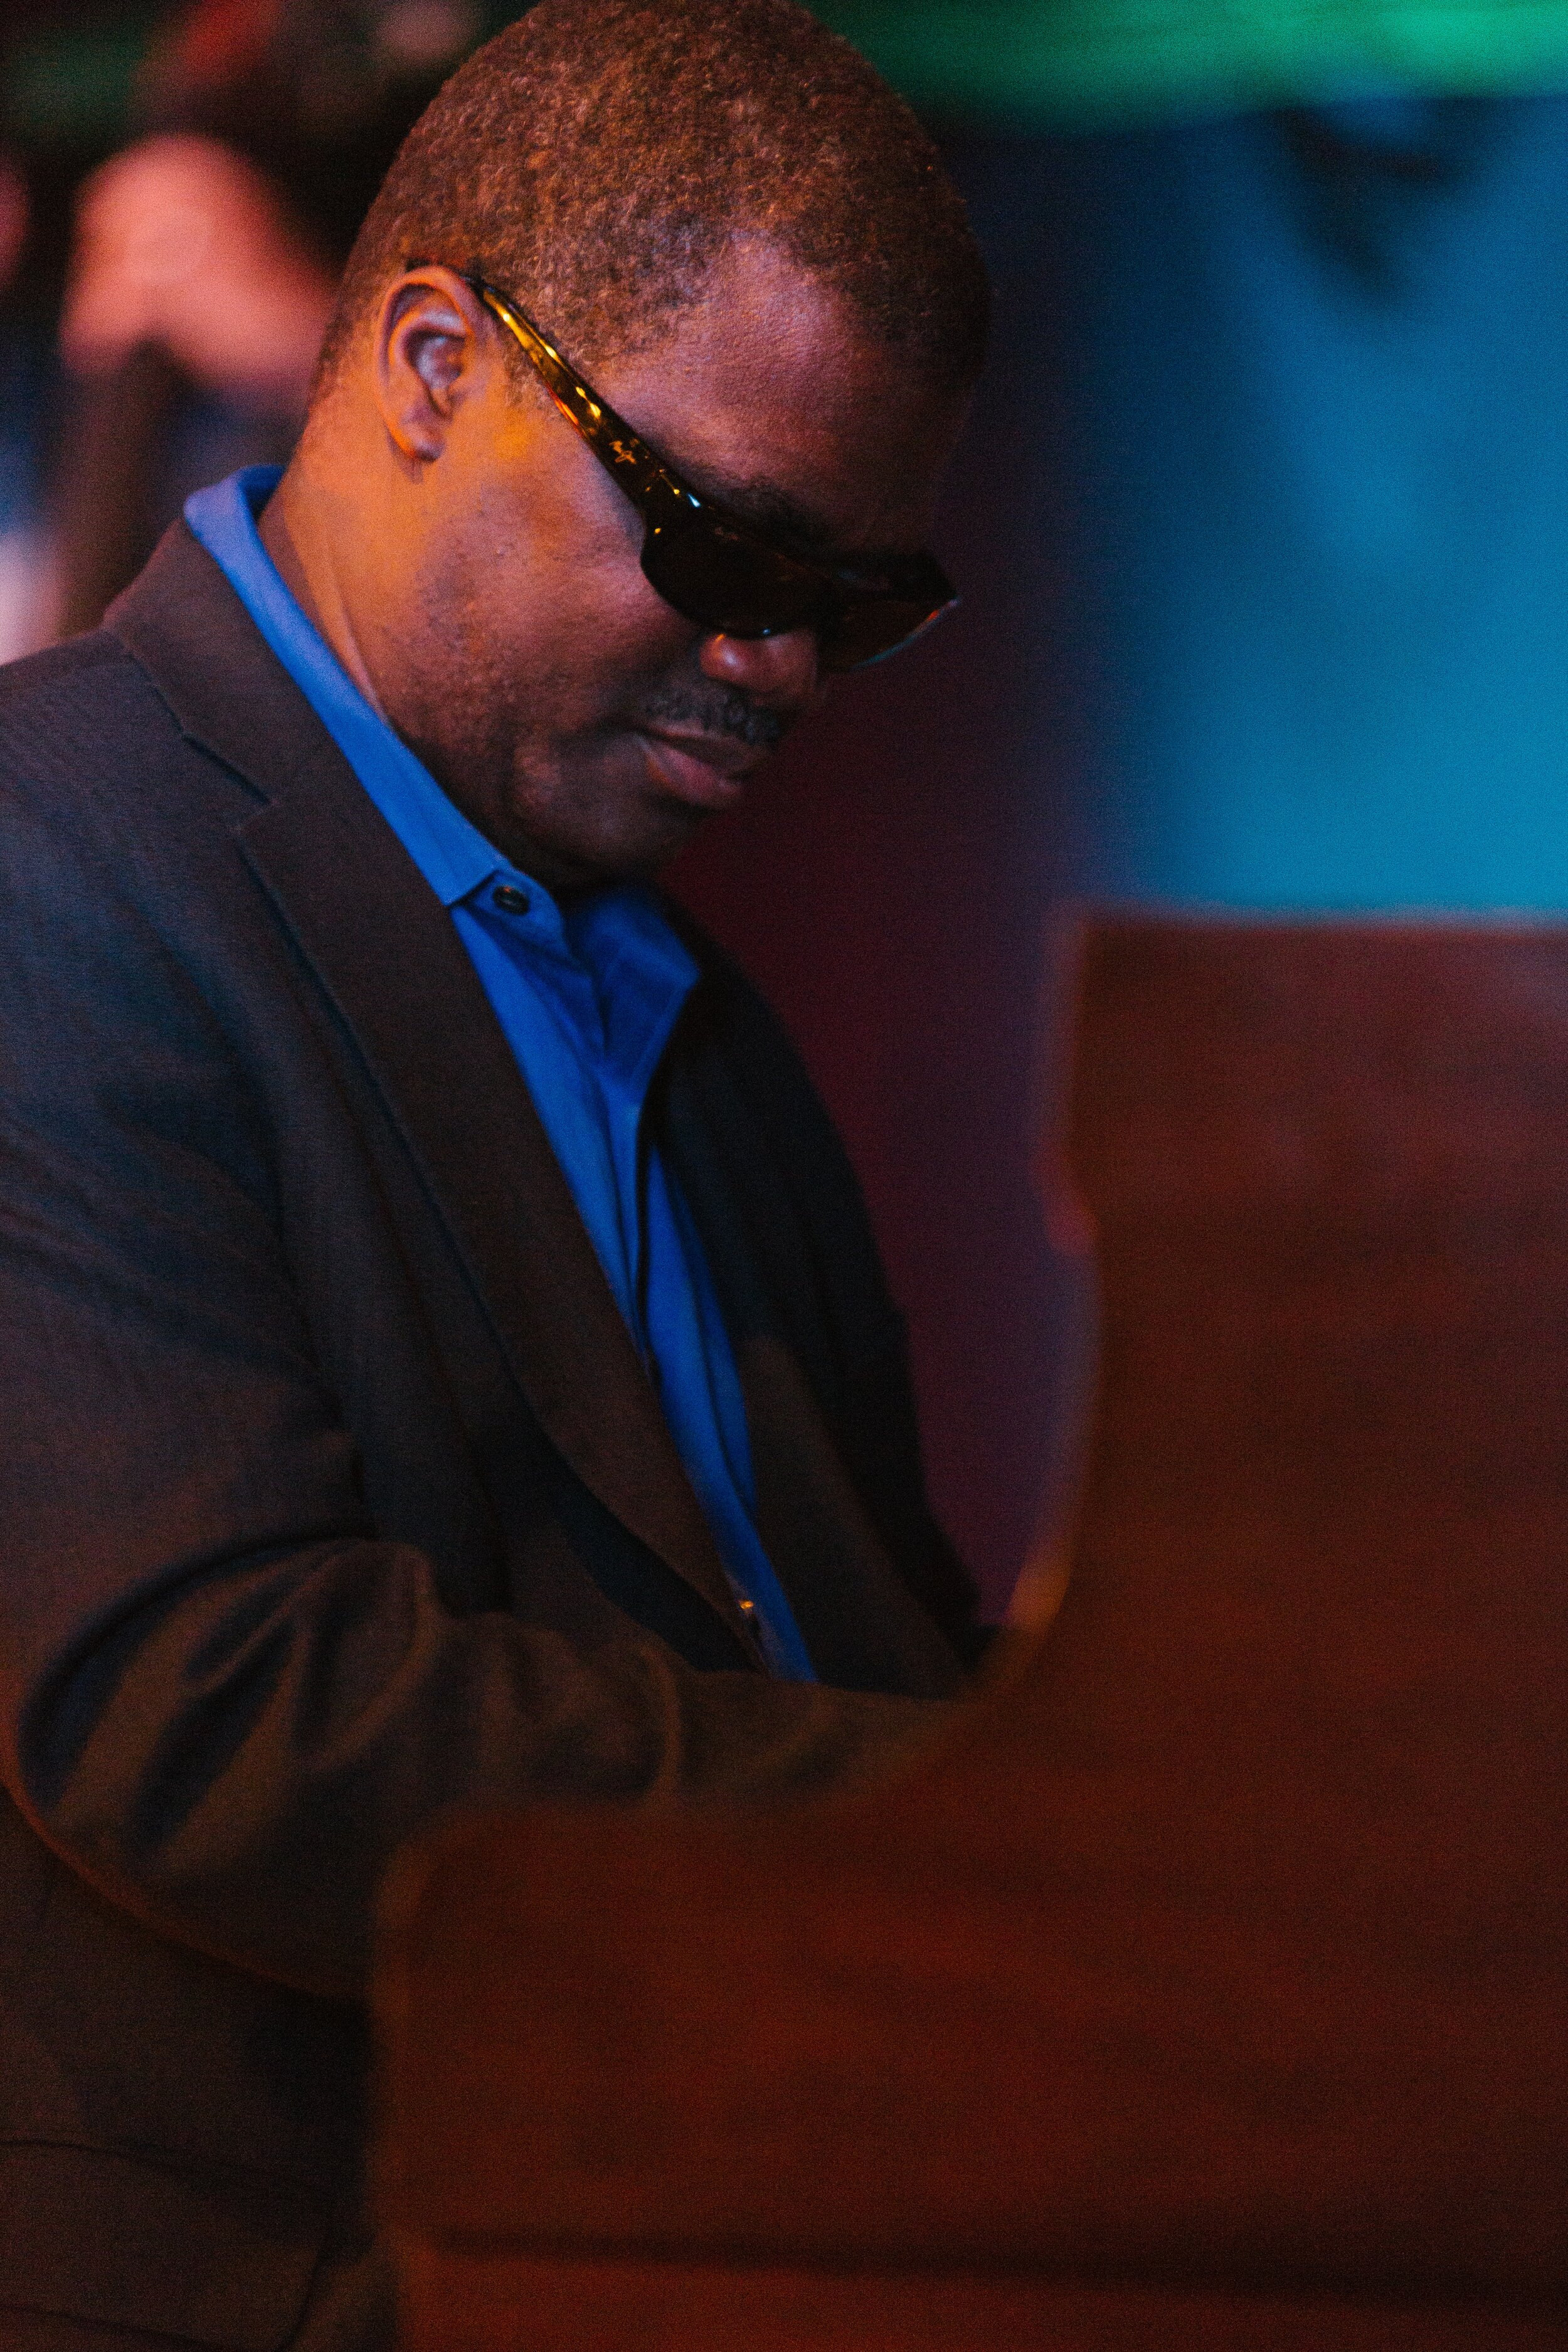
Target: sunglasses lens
<point x="727" y="579"/>
<point x="867" y="632"/>
<point x="723" y="580"/>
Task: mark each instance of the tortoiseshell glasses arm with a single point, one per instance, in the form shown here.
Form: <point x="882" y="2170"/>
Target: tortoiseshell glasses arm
<point x="628" y="459"/>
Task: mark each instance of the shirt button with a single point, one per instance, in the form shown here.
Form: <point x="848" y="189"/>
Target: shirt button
<point x="510" y="899"/>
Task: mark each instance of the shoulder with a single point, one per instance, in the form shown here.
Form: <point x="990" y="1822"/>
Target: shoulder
<point x="133" y="939"/>
<point x="64" y="693"/>
<point x="95" y="764"/>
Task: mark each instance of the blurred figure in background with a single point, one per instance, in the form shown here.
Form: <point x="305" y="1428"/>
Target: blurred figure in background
<point x="189" y="330"/>
<point x="206" y="254"/>
<point x="24" y="595"/>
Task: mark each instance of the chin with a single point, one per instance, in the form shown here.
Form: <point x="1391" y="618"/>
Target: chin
<point x="593" y="819"/>
<point x="638" y="860"/>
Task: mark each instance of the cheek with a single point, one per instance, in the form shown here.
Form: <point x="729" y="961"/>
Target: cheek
<point x="539" y="600"/>
<point x="593" y="634"/>
<point x="555" y="648"/>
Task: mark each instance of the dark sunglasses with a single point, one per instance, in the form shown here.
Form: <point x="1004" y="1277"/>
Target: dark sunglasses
<point x="714" y="570"/>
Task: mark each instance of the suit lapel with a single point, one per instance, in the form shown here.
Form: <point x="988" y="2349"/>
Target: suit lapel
<point x="385" y="950"/>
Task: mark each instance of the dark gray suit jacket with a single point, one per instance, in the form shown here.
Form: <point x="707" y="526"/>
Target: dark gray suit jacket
<point x="332" y="1492"/>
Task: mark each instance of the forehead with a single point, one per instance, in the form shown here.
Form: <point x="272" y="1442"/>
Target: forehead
<point x="768" y="393"/>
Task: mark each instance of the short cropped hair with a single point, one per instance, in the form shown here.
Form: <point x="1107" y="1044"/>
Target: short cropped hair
<point x="598" y="156"/>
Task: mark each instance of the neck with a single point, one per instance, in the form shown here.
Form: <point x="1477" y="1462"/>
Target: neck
<point x="296" y="531"/>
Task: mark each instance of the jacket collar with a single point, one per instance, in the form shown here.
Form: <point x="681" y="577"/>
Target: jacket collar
<point x="384" y="949"/>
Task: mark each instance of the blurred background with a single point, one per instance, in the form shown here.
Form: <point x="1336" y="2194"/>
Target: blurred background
<point x="1260" y="524"/>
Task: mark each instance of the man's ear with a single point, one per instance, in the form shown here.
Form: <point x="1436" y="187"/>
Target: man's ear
<point x="430" y="352"/>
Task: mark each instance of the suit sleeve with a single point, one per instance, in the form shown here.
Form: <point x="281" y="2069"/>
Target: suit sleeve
<point x="224" y="1700"/>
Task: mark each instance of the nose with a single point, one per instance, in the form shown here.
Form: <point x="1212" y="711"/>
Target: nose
<point x="782" y="673"/>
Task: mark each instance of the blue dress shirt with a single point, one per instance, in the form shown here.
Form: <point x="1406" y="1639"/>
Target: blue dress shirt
<point x="587" y="996"/>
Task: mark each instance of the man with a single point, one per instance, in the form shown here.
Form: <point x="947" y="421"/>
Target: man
<point x="442" y="1354"/>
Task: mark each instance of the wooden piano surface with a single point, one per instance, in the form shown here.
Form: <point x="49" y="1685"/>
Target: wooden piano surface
<point x="1205" y="1985"/>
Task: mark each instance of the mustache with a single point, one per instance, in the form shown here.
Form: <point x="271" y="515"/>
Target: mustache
<point x="724" y="712"/>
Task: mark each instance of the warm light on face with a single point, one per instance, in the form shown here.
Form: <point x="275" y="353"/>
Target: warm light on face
<point x="715" y="569"/>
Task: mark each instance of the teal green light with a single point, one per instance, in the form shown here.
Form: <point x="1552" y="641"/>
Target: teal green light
<point x="1087" y="61"/>
<point x="72" y="86"/>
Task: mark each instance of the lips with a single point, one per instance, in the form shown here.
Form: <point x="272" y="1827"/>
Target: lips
<point x="705" y="771"/>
